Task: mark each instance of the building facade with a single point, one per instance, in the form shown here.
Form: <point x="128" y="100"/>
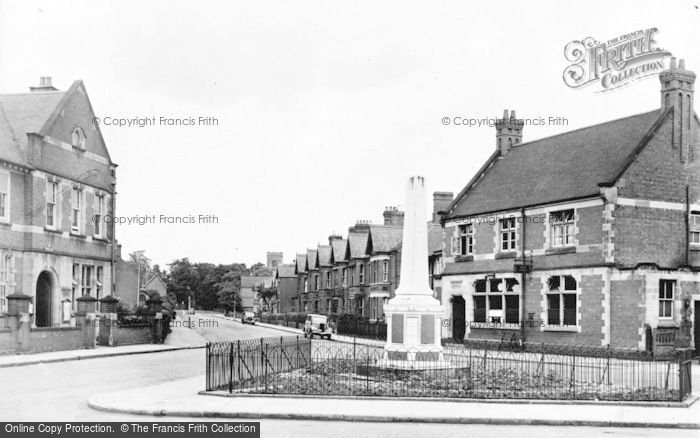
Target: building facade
<point x="588" y="237"/>
<point x="57" y="185"/>
<point x="285" y="281"/>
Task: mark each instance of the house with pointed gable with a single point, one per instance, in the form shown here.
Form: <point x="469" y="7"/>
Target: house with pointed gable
<point x="588" y="237"/>
<point x="57" y="185"/>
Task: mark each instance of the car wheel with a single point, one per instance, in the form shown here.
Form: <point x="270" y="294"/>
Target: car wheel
<point x="311" y="335"/>
<point x="329" y="337"/>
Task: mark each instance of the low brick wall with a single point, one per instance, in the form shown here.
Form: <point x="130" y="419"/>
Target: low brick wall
<point x="131" y="335"/>
<point x="55" y="339"/>
<point x="7" y="343"/>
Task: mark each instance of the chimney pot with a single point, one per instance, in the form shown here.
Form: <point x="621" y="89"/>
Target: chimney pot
<point x="681" y="64"/>
<point x="505" y="113"/>
<point x="673" y="63"/>
<point x="512" y="114"/>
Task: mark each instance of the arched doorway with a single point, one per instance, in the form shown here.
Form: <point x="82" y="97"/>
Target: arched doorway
<point x="458" y="321"/>
<point x="42" y="310"/>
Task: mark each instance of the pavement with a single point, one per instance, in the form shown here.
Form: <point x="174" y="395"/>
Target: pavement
<point x="181" y="338"/>
<point x="185" y="398"/>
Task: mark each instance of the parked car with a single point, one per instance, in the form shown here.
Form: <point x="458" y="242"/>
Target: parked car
<point x="317" y="325"/>
<point x="248" y="318"/>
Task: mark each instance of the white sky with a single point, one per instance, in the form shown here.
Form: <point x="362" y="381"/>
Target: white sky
<point x="324" y="108"/>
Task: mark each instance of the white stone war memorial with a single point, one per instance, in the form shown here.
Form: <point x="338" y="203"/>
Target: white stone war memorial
<point x="414" y="316"/>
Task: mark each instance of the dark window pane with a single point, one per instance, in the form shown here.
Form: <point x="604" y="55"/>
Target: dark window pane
<point x="495" y="302"/>
<point x="569" y="282"/>
<point x="493" y="284"/>
<point x="480" y="286"/>
<point x="553" y="282"/>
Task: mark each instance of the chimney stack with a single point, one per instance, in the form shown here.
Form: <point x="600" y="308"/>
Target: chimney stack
<point x="393" y="216"/>
<point x="441" y="202"/>
<point x="333" y="237"/>
<point x="509" y="132"/>
<point x="677" y="92"/>
<point x="44" y="85"/>
<point x="360" y="225"/>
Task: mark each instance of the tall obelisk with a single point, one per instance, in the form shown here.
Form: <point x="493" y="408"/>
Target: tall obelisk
<point x="413" y="315"/>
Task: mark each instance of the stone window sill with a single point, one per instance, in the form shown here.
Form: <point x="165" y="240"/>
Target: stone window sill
<point x="505" y="255"/>
<point x="571" y="329"/>
<point x="464" y="258"/>
<point x="562" y="250"/>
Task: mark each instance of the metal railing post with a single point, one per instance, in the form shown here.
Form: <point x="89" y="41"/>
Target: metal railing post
<point x="230" y="364"/>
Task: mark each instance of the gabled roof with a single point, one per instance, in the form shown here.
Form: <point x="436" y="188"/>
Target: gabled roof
<point x="250" y="281"/>
<point x="311" y="259"/>
<point x="563" y="167"/>
<point x="324" y="255"/>
<point x="357" y="245"/>
<point x="300" y="264"/>
<point x="286" y="271"/>
<point x="384" y="238"/>
<point x="156" y="278"/>
<point x="338" y="251"/>
<point x="32" y="113"/>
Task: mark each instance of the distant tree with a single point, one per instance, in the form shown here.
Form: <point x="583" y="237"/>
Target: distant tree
<point x="260" y="270"/>
<point x="268" y="295"/>
<point x="229" y="291"/>
<point x="138" y="261"/>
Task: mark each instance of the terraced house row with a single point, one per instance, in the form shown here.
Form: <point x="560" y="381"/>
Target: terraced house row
<point x="357" y="274"/>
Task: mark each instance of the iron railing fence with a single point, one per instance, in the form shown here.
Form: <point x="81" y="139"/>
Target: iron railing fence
<point x="360" y="327"/>
<point x="474" y="370"/>
<point x="230" y="364"/>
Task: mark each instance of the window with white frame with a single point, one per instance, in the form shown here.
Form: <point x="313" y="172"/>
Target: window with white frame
<point x="385" y="271"/>
<point x="306" y="285"/>
<point x="76" y="208"/>
<point x="345" y="277"/>
<point x="464" y="244"/>
<point x="316" y="281"/>
<point x="97" y="216"/>
<point x="666" y="290"/>
<point x="4" y="196"/>
<point x="501" y="304"/>
<point x="86" y="283"/>
<point x="507" y="226"/>
<point x="75" y="283"/>
<point x="98" y="283"/>
<point x="51" y="203"/>
<point x="7" y="278"/>
<point x="362" y="273"/>
<point x="562" y="223"/>
<point x="695" y="228"/>
<point x="328" y="279"/>
<point x="561" y="301"/>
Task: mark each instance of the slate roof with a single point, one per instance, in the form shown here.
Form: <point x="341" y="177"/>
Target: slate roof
<point x="357" y="244"/>
<point x="250" y="281"/>
<point x="285" y="271"/>
<point x="339" y="247"/>
<point x="324" y="255"/>
<point x="385" y="238"/>
<point x="301" y="263"/>
<point x="563" y="167"/>
<point x="311" y="256"/>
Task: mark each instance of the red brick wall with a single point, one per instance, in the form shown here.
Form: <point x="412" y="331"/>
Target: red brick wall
<point x="626" y="315"/>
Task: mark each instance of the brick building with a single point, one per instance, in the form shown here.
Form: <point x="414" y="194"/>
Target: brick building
<point x="285" y="281"/>
<point x="606" y="217"/>
<point x="358" y="274"/>
<point x="56" y="186"/>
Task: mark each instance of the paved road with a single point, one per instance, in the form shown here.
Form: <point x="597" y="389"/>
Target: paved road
<point x="59" y="392"/>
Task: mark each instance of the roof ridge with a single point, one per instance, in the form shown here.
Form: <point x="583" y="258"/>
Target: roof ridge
<point x="32" y="93"/>
<point x="585" y="127"/>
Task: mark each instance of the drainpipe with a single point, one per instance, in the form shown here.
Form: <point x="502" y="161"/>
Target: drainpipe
<point x="114" y="239"/>
<point x="522" y="278"/>
<point x="687" y="225"/>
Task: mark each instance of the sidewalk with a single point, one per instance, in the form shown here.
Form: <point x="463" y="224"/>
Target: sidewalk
<point x="181" y="399"/>
<point x="181" y="338"/>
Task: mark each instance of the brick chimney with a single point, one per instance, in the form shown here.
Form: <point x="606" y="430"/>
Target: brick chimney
<point x="441" y="201"/>
<point x="677" y="85"/>
<point x="393" y="216"/>
<point x="44" y="85"/>
<point x="333" y="237"/>
<point x="509" y="132"/>
<point x="360" y="225"/>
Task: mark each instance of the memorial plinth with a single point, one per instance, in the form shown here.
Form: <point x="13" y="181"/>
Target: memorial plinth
<point x="413" y="316"/>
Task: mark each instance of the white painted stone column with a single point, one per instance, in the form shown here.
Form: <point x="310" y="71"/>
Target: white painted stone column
<point x="414" y="316"/>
